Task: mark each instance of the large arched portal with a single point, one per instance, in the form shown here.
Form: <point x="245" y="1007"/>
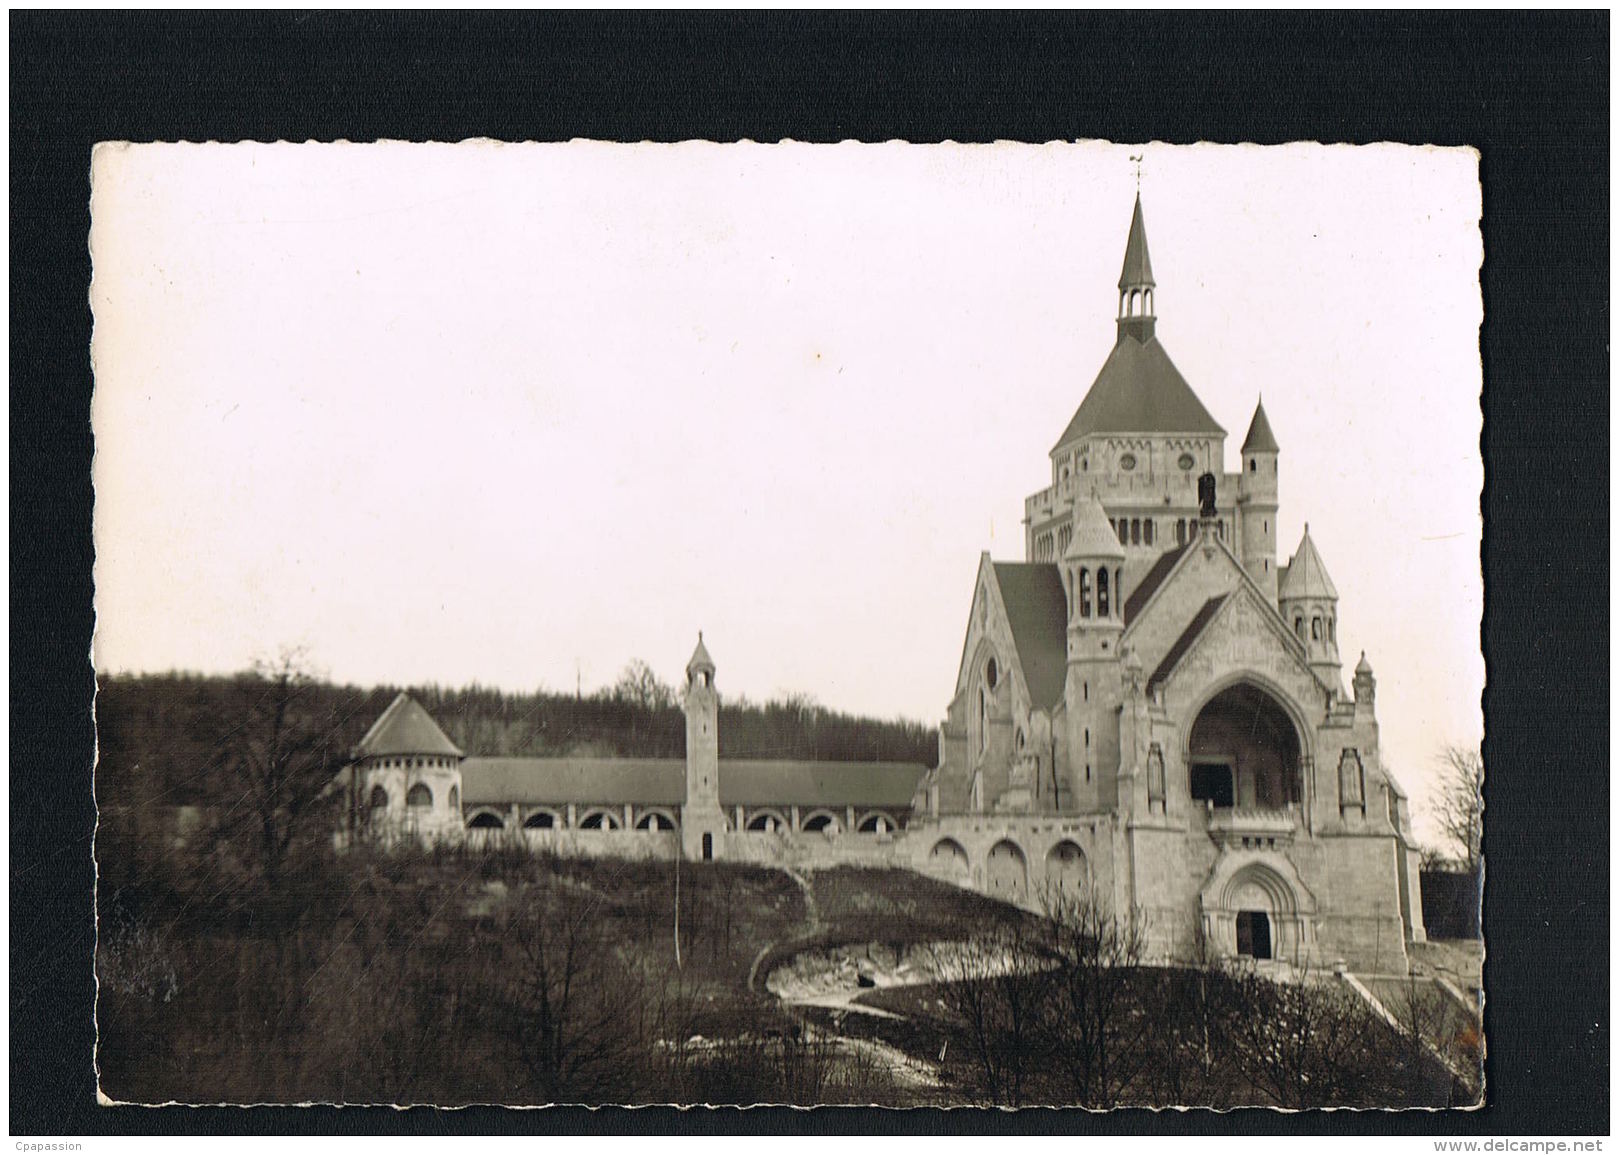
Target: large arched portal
<point x="1244" y="751"/>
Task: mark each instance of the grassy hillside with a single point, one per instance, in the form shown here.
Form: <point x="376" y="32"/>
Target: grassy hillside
<point x="439" y="977"/>
<point x="452" y="977"/>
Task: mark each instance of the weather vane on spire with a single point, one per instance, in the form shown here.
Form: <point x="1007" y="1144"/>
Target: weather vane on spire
<point x="1137" y="159"/>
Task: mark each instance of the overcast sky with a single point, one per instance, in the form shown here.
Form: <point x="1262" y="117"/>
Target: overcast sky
<point x="519" y="414"/>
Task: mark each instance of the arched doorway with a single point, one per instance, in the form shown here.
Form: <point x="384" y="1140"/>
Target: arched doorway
<point x="1066" y="869"/>
<point x="1258" y="909"/>
<point x="1253" y="934"/>
<point x="1244" y="751"/>
<point x="1007" y="871"/>
<point x="948" y="858"/>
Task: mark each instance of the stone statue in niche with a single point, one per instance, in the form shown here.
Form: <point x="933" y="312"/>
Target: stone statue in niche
<point x="1205" y="495"/>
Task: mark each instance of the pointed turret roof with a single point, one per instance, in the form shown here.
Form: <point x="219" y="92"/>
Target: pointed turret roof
<point x="1260" y="439"/>
<point x="1093" y="536"/>
<point x="405" y="728"/>
<point x="700" y="661"/>
<point x="1137" y="271"/>
<point x="1306" y="575"/>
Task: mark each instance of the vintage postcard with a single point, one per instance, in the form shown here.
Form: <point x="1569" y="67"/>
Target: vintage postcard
<point x="801" y="624"/>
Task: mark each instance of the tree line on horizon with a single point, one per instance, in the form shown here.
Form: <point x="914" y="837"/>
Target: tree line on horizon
<point x="158" y="734"/>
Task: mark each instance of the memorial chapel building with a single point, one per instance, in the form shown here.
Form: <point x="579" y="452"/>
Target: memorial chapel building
<point x="1151" y="705"/>
<point x="1156" y="675"/>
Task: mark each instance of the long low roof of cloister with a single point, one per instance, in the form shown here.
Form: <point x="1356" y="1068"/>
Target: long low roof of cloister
<point x="662" y="782"/>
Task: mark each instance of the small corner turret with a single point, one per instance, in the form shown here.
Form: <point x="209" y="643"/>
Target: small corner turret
<point x="1309" y="603"/>
<point x="1258" y="501"/>
<point x="1365" y="685"/>
<point x="1093" y="576"/>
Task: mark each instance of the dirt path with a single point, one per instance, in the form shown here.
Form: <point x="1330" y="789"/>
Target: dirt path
<point x="812" y="916"/>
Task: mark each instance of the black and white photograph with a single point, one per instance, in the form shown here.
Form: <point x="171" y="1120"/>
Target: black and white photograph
<point x="841" y="576"/>
<point x="800" y="624"/>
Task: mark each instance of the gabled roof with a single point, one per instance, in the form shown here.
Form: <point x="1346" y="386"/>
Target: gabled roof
<point x="1137" y="264"/>
<point x="1150" y="581"/>
<point x="1306" y="575"/>
<point x="1260" y="439"/>
<point x="1189" y="635"/>
<point x="405" y="728"/>
<point x="662" y="782"/>
<point x="1139" y="390"/>
<point x="646" y="781"/>
<point x="762" y="783"/>
<point x="1037" y="611"/>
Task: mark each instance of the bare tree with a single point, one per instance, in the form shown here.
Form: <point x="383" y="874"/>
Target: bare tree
<point x="1459" y="803"/>
<point x="1091" y="957"/>
<point x="989" y="987"/>
<point x="284" y="752"/>
<point x="1306" y="1043"/>
<point x="569" y="1007"/>
<point x="639" y="685"/>
<point x="1434" y="1027"/>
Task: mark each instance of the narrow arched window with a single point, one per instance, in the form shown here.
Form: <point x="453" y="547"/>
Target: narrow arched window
<point x="1298" y="627"/>
<point x="1101" y="593"/>
<point x="992" y="673"/>
<point x="1146" y="531"/>
<point x="1180" y="531"/>
<point x="455" y="798"/>
<point x="1135" y="531"/>
<point x="1123" y="527"/>
<point x="1315" y="629"/>
<point x="983" y="720"/>
<point x="1118" y="591"/>
<point x="1253" y="465"/>
<point x="379" y="798"/>
<point x="1084" y="593"/>
<point x="419" y="795"/>
<point x="1332" y="631"/>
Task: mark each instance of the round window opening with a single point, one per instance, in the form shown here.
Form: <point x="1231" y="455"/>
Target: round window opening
<point x="1127" y="462"/>
<point x="1187" y="461"/>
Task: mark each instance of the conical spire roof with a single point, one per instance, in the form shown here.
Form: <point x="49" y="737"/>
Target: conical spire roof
<point x="1306" y="574"/>
<point x="1093" y="536"/>
<point x="405" y="728"/>
<point x="1260" y="439"/>
<point x="700" y="661"/>
<point x="1137" y="271"/>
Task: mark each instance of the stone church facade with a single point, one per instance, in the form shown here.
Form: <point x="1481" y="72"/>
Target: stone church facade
<point x="1150" y="705"/>
<point x="1153" y="673"/>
